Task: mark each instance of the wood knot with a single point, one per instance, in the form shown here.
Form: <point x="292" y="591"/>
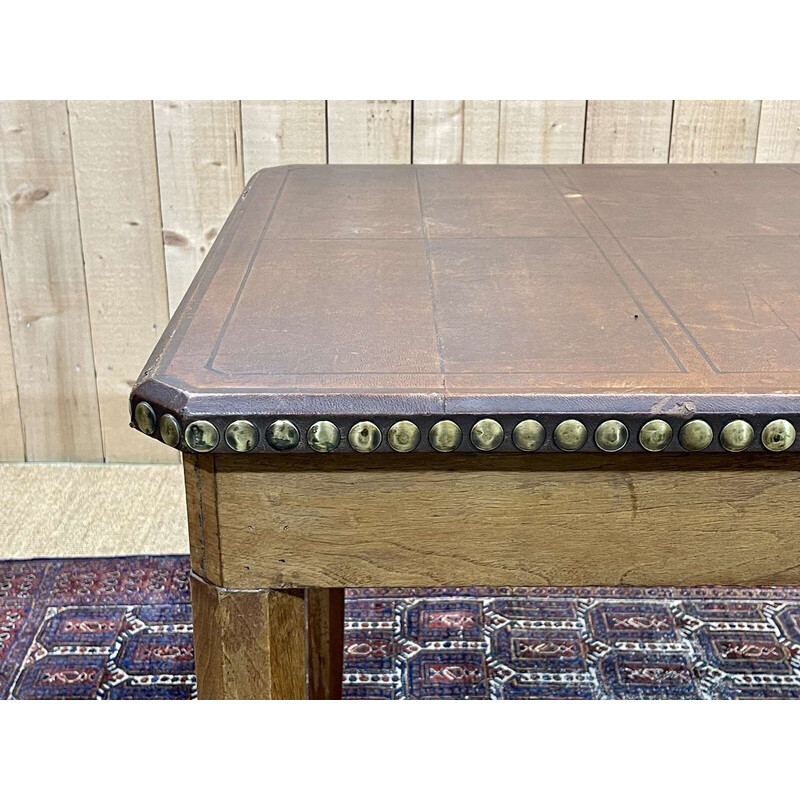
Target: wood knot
<point x="175" y="239"/>
<point x="27" y="195"/>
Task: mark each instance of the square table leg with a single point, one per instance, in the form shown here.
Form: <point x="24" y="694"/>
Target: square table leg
<point x="267" y="644"/>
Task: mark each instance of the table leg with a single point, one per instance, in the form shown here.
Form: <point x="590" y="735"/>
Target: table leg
<point x="279" y="644"/>
<point x="325" y="642"/>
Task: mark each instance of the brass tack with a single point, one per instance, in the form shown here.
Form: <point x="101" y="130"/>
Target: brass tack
<point x="170" y="430"/>
<point x="655" y="435"/>
<point x="445" y="436"/>
<point x="570" y="435"/>
<point x="611" y="435"/>
<point x="283" y="435"/>
<point x="241" y="435"/>
<point x="403" y="436"/>
<point x="201" y="436"/>
<point x="364" y="437"/>
<point x="528" y="435"/>
<point x="145" y="418"/>
<point x="486" y="434"/>
<point x="736" y="436"/>
<point x="696" y="435"/>
<point x="323" y="436"/>
<point x="778" y="435"/>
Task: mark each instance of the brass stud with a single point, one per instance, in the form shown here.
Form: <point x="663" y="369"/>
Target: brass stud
<point x="364" y="437"/>
<point x="570" y="435"/>
<point x="145" y="418"/>
<point x="403" y="436"/>
<point x="655" y="435"/>
<point x="696" y="435"/>
<point x="241" y="435"/>
<point x="445" y="436"/>
<point x="611" y="436"/>
<point x="528" y="435"/>
<point x="170" y="430"/>
<point x="736" y="436"/>
<point x="486" y="435"/>
<point x="201" y="436"/>
<point x="323" y="436"/>
<point x="283" y="435"/>
<point x="778" y="435"/>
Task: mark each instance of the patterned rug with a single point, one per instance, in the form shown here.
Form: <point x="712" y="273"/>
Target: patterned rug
<point x="120" y="628"/>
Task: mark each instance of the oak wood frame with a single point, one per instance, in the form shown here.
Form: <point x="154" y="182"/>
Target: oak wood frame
<point x="274" y="541"/>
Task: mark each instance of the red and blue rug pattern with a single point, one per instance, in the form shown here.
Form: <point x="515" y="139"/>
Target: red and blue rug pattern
<point x="121" y="628"/>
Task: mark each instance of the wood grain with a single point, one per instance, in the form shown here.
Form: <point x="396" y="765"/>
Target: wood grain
<point x="714" y="131"/>
<point x="277" y="132"/>
<point x="201" y="506"/>
<point x="248" y="645"/>
<point x="500" y="520"/>
<point x="541" y="131"/>
<point x="325" y="643"/>
<point x="201" y="176"/>
<point x="779" y="132"/>
<point x="12" y="446"/>
<point x="481" y="131"/>
<point x="438" y="131"/>
<point x="627" y="131"/>
<point x="369" y="131"/>
<point x="115" y="172"/>
<point x="40" y="244"/>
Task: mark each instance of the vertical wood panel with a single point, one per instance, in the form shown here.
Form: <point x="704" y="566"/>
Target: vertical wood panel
<point x="627" y="131"/>
<point x="542" y="131"/>
<point x="779" y="132"/>
<point x="714" y="131"/>
<point x="438" y="131"/>
<point x="369" y="131"/>
<point x="113" y="149"/>
<point x="276" y="132"/>
<point x="12" y="447"/>
<point x="45" y="284"/>
<point x="481" y="131"/>
<point x="201" y="177"/>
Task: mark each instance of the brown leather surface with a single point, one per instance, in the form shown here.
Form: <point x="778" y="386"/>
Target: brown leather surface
<point x="351" y="292"/>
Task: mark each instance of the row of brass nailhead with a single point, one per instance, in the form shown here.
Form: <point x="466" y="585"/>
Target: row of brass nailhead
<point x="445" y="436"/>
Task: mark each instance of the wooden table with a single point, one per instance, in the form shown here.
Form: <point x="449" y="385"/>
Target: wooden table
<point x="444" y="376"/>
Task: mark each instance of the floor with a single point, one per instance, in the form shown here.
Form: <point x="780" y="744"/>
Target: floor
<point x="70" y="510"/>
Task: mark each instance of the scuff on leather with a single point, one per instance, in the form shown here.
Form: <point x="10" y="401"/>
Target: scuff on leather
<point x="674" y="407"/>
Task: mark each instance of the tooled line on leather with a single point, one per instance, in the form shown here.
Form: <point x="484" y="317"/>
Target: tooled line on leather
<point x="194" y="296"/>
<point x="656" y="330"/>
<point x="698" y="347"/>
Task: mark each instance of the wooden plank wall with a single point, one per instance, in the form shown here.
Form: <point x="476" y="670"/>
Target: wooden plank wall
<point x="107" y="210"/>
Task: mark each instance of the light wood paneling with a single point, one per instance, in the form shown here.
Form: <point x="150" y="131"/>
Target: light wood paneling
<point x="277" y="132"/>
<point x="407" y="522"/>
<point x="438" y="131"/>
<point x="481" y="131"/>
<point x="627" y="131"/>
<point x="201" y="177"/>
<point x="542" y="131"/>
<point x="779" y="132"/>
<point x="115" y="173"/>
<point x="12" y="446"/>
<point x="714" y="131"/>
<point x="248" y="645"/>
<point x="40" y="243"/>
<point x="369" y="131"/>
